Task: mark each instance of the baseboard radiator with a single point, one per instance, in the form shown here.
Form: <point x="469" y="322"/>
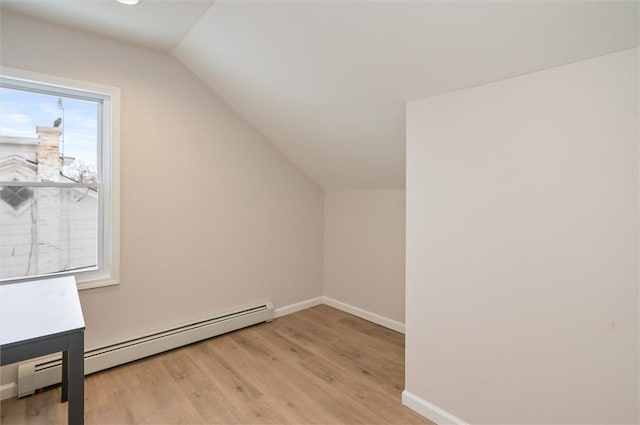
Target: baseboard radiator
<point x="47" y="371"/>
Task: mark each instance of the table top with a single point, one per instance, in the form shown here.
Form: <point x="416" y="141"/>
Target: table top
<point x="39" y="308"/>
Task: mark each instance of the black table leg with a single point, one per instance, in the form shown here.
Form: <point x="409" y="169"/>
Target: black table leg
<point x="76" y="378"/>
<point x="65" y="376"/>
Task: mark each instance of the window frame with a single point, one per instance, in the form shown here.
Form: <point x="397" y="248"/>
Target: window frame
<point x="108" y="269"/>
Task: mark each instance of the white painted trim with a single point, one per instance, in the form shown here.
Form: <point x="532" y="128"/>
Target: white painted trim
<point x="9" y="390"/>
<point x="430" y="410"/>
<point x="292" y="308"/>
<point x="364" y="314"/>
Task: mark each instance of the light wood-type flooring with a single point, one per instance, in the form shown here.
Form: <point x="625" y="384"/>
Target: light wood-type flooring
<point x="317" y="366"/>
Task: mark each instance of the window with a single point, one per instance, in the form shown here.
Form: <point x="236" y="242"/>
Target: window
<point x="59" y="188"/>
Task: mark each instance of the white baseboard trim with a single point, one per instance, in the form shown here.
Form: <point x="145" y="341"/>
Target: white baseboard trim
<point x="429" y="410"/>
<point x="9" y="390"/>
<point x="292" y="308"/>
<point x="348" y="308"/>
<point x="364" y="314"/>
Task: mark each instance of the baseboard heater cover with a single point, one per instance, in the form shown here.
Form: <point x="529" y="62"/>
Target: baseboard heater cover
<point x="47" y="371"/>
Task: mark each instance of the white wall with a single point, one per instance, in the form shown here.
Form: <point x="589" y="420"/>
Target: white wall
<point x="212" y="215"/>
<point x="522" y="247"/>
<point x="364" y="251"/>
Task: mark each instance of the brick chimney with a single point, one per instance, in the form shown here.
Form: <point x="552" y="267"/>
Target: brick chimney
<point x="48" y="154"/>
<point x="48" y="205"/>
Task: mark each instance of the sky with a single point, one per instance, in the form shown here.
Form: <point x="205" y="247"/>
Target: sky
<point x="21" y="111"/>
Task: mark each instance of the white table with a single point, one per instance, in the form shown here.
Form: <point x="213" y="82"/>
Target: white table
<point x="44" y="317"/>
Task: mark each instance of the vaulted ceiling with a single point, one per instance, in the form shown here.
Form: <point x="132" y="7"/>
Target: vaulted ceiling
<point x="327" y="81"/>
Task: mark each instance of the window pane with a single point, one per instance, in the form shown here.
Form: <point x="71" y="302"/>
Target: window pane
<point x="71" y="145"/>
<point x="47" y="230"/>
<point x="48" y="135"/>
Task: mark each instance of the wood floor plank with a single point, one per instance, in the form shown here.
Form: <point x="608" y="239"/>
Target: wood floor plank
<point x="317" y="399"/>
<point x="317" y="366"/>
<point x="356" y="359"/>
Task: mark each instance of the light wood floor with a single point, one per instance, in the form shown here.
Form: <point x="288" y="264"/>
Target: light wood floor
<point x="317" y="366"/>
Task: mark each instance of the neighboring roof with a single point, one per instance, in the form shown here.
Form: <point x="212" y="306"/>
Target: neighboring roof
<point x="16" y="167"/>
<point x="22" y="146"/>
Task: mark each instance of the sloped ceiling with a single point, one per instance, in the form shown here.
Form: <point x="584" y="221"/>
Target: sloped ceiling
<point x="158" y="24"/>
<point x="327" y="81"/>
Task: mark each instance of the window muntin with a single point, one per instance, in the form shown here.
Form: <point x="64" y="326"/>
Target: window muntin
<point x="67" y="172"/>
